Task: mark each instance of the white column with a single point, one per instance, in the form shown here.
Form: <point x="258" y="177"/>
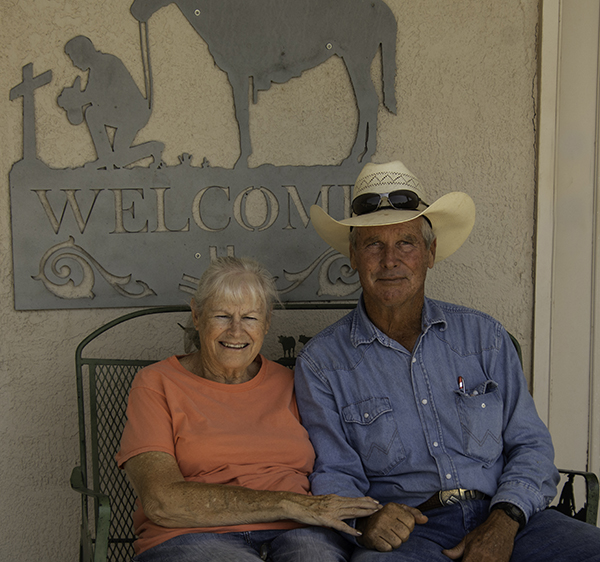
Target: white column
<point x="566" y="349"/>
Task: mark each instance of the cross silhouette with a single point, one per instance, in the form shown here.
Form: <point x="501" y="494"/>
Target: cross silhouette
<point x="25" y="90"/>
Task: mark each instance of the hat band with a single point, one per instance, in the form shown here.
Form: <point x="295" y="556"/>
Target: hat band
<point x="399" y="199"/>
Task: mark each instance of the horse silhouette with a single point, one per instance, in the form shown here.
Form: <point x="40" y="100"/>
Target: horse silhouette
<point x="270" y="41"/>
<point x="304" y="339"/>
<point x="289" y="345"/>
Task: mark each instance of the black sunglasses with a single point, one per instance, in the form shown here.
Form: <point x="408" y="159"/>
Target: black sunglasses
<point x="400" y="199"/>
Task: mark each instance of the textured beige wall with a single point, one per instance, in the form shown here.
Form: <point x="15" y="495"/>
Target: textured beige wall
<point x="466" y="112"/>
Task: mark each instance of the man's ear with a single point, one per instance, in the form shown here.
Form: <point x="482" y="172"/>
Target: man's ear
<point x="432" y="250"/>
<point x="352" y="259"/>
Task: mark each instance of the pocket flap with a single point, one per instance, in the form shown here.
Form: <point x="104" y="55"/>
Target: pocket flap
<point x="366" y="411"/>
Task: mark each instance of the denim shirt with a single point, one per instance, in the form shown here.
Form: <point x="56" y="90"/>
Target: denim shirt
<point x="399" y="426"/>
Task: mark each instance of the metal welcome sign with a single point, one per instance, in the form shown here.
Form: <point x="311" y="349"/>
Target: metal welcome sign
<point x="128" y="230"/>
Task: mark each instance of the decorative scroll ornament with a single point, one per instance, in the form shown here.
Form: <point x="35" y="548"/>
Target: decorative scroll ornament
<point x="340" y="288"/>
<point x="69" y="290"/>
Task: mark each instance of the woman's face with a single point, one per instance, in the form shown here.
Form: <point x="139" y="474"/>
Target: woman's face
<point x="231" y="333"/>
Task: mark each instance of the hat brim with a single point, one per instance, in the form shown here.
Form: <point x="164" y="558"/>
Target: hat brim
<point x="452" y="218"/>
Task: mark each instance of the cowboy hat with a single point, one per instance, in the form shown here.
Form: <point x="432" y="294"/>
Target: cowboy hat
<point x="451" y="216"/>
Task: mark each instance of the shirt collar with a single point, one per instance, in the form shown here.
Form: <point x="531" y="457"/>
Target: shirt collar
<point x="364" y="331"/>
<point x="432" y="314"/>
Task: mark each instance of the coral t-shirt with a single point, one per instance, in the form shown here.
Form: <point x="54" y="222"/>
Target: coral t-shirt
<point x="245" y="434"/>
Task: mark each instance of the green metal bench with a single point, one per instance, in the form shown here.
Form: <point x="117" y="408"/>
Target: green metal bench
<point x="107" y="500"/>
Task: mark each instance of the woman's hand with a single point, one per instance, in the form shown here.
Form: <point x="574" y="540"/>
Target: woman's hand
<point x="330" y="511"/>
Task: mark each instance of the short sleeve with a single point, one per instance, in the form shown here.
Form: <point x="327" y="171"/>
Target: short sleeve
<point x="149" y="425"/>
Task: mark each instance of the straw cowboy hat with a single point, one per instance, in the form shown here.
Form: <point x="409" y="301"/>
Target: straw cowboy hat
<point x="390" y="194"/>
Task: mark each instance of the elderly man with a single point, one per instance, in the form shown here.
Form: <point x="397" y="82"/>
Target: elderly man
<point x="421" y="404"/>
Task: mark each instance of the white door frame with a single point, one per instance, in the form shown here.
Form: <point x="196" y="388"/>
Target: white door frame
<point x="566" y="348"/>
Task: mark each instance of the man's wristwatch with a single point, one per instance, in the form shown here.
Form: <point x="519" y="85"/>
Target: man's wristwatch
<point x="512" y="511"/>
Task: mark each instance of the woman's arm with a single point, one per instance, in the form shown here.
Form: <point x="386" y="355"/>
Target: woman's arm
<point x="170" y="501"/>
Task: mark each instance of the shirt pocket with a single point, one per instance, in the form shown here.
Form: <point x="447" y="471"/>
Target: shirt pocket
<point x="373" y="433"/>
<point x="480" y="413"/>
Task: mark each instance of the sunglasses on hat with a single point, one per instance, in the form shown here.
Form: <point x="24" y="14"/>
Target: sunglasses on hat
<point x="399" y="199"/>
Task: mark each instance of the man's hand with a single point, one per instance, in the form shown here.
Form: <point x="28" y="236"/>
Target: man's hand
<point x="492" y="541"/>
<point x="389" y="527"/>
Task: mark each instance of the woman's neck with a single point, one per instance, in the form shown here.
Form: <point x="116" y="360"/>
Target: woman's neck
<point x="195" y="365"/>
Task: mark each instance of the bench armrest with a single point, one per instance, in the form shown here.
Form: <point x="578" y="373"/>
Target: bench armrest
<point x="566" y="504"/>
<point x="93" y="550"/>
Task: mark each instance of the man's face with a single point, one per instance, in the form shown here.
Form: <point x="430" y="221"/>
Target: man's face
<point x="392" y="263"/>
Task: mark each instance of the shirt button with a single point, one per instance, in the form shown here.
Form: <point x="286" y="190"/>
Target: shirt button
<point x="424" y="401"/>
<point x="448" y="476"/>
<point x="436" y="444"/>
<point x="483" y="405"/>
<point x="414" y="359"/>
<point x="366" y="415"/>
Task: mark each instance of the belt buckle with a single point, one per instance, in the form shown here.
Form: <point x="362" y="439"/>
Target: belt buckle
<point x="451" y="497"/>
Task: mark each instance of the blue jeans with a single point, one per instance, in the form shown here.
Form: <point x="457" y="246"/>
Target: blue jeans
<point x="308" y="544"/>
<point x="549" y="536"/>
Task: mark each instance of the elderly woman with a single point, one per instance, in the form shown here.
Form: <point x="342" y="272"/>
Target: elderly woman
<point x="214" y="448"/>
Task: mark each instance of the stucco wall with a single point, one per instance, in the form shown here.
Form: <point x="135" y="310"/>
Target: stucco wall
<point x="466" y="113"/>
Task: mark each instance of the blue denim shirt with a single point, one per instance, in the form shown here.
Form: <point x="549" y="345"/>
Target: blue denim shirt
<point x="398" y="426"/>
